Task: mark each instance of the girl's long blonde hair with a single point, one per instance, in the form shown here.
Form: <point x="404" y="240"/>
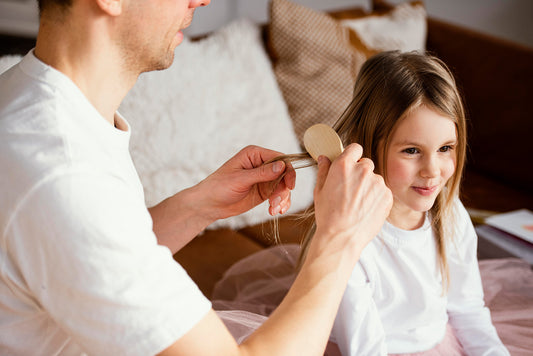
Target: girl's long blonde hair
<point x="389" y="86"/>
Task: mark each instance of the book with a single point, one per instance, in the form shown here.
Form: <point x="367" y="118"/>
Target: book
<point x="508" y="243"/>
<point x="518" y="223"/>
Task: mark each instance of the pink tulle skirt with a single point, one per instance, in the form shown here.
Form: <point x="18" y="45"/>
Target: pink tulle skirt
<point x="253" y="287"/>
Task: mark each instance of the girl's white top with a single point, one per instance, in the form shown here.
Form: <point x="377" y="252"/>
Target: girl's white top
<point x="394" y="301"/>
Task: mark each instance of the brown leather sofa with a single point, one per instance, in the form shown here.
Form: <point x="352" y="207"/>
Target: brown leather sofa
<point x="496" y="79"/>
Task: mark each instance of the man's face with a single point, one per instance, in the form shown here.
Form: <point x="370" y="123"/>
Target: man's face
<point x="152" y="29"/>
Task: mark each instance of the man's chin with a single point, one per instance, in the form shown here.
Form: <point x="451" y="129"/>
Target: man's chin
<point x="161" y="64"/>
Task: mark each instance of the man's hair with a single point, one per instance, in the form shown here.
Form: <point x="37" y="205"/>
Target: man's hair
<point x="60" y="4"/>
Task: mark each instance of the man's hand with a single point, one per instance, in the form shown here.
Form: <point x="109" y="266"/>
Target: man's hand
<point x="240" y="184"/>
<point x="244" y="182"/>
<point x="351" y="201"/>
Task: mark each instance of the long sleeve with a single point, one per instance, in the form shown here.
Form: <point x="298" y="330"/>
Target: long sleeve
<point x="357" y="329"/>
<point x="467" y="312"/>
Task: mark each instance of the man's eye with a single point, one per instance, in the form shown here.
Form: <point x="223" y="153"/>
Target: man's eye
<point x="410" y="150"/>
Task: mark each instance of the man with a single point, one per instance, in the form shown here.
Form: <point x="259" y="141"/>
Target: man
<point x="85" y="267"/>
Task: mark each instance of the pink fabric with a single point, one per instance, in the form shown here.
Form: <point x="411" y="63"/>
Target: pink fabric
<point x="252" y="288"/>
<point x="508" y="287"/>
<point x="449" y="346"/>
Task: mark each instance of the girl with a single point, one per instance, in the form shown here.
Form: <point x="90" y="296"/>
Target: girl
<point x="417" y="286"/>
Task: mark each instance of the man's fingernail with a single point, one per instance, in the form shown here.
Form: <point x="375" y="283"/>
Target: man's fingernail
<point x="277" y="166"/>
<point x="276" y="210"/>
<point x="276" y="202"/>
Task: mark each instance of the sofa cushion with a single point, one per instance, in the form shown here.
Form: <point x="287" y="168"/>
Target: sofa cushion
<point x="9" y="61"/>
<point x="317" y="56"/>
<point x="403" y="27"/>
<point x="315" y="64"/>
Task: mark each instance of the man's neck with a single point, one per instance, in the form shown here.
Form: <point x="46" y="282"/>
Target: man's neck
<point x="90" y="60"/>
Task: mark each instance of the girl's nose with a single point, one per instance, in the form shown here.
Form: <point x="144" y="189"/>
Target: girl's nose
<point x="430" y="167"/>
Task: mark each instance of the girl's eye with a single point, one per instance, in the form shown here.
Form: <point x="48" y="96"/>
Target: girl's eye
<point x="410" y="150"/>
<point x="446" y="148"/>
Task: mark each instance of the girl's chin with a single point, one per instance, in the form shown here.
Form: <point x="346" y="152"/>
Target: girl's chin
<point x="420" y="206"/>
<point x="423" y="207"/>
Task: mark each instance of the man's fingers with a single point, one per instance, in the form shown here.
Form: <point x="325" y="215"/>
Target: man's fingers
<point x="323" y="169"/>
<point x="265" y="173"/>
<point x="368" y="162"/>
<point x="354" y="151"/>
<point x="280" y="202"/>
<point x="290" y="176"/>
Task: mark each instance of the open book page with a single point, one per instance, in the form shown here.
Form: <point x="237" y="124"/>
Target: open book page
<point x="518" y="223"/>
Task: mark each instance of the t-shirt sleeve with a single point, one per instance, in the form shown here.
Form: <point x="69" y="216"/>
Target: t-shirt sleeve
<point x="357" y="329"/>
<point x="466" y="308"/>
<point x="88" y="257"/>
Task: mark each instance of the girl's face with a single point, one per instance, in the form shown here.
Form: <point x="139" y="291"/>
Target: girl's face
<point x="420" y="160"/>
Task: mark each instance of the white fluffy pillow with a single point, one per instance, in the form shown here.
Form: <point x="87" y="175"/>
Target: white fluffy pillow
<point x="219" y="95"/>
<point x="9" y="61"/>
<point x="404" y="28"/>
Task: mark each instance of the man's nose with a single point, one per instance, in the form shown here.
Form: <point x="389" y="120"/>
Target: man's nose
<point x="200" y="3"/>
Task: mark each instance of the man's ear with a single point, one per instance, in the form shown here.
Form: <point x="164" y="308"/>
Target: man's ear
<point x="111" y="7"/>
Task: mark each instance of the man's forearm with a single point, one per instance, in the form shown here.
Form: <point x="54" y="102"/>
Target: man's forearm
<point x="178" y="219"/>
<point x="302" y="322"/>
<point x="299" y="326"/>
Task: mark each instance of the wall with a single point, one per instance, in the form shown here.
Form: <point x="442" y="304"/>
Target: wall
<point x="223" y="11"/>
<point x="19" y="17"/>
<point x="509" y="19"/>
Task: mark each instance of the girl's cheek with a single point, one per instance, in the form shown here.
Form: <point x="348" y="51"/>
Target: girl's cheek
<point x="450" y="169"/>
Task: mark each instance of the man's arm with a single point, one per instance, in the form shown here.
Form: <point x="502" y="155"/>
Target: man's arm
<point x="351" y="204"/>
<point x="240" y="184"/>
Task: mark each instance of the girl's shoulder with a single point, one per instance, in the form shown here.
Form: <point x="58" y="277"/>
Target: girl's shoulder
<point x="460" y="222"/>
<point x="463" y="242"/>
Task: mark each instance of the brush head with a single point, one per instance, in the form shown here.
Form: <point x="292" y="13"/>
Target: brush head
<point x="320" y="139"/>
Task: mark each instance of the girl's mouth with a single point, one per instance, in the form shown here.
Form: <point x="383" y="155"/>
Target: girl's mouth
<point x="425" y="191"/>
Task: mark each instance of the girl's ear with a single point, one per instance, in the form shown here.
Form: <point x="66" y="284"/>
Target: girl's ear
<point x="111" y="7"/>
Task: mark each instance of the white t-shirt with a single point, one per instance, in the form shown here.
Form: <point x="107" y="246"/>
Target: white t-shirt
<point x="394" y="302"/>
<point x="80" y="267"/>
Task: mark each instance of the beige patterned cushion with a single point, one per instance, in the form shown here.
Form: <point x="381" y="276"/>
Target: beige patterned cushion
<point x="315" y="64"/>
<point x="317" y="56"/>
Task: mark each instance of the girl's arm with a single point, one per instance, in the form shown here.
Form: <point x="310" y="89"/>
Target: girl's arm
<point x="466" y="308"/>
<point x="358" y="329"/>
